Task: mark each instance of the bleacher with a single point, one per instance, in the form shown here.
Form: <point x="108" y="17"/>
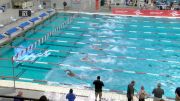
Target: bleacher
<point x="43" y="15"/>
<point x="16" y="31"/>
<point x="24" y="25"/>
<point x="11" y="31"/>
<point x="35" y="19"/>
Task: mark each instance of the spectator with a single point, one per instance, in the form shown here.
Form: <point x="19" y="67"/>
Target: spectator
<point x="54" y="5"/>
<point x="70" y="96"/>
<point x="109" y="5"/>
<point x="19" y="96"/>
<point x="64" y="4"/>
<point x="102" y="2"/>
<point x="158" y="93"/>
<point x="177" y="92"/>
<point x="44" y="4"/>
<point x="130" y="91"/>
<point x="98" y="88"/>
<point x="146" y="1"/>
<point x="43" y="98"/>
<point x="141" y="4"/>
<point x="142" y="94"/>
<point x="134" y="2"/>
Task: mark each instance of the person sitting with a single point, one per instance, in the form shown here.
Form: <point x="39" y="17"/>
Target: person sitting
<point x="70" y="96"/>
<point x="19" y="96"/>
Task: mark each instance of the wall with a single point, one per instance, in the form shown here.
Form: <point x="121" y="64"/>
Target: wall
<point x="4" y="1"/>
<point x="7" y="3"/>
<point x="83" y="6"/>
<point x="59" y="3"/>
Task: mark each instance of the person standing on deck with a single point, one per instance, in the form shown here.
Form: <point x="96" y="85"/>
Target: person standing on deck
<point x="130" y="91"/>
<point x="64" y="4"/>
<point x="158" y="92"/>
<point x="142" y="94"/>
<point x="98" y="88"/>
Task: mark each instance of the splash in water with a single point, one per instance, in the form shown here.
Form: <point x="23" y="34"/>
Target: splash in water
<point x="29" y="55"/>
<point x="107" y="60"/>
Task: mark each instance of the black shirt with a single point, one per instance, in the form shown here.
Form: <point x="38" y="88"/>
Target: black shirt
<point x="158" y="92"/>
<point x="98" y="85"/>
<point x="18" y="99"/>
<point x="177" y="91"/>
<point x="64" y="3"/>
<point x="130" y="90"/>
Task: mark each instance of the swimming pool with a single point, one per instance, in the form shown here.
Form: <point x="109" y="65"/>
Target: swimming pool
<point x="119" y="49"/>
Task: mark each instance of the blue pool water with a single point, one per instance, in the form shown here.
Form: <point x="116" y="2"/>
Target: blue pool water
<point x="119" y="49"/>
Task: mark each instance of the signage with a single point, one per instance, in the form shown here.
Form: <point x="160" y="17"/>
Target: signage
<point x="159" y="13"/>
<point x="24" y="13"/>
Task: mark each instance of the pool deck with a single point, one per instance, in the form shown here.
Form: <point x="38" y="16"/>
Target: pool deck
<point x="8" y="39"/>
<point x="11" y="12"/>
<point x="57" y="93"/>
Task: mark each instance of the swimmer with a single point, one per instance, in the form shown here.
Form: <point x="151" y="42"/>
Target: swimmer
<point x="96" y="48"/>
<point x="167" y="75"/>
<point x="94" y="15"/>
<point x="70" y="73"/>
<point x="176" y="55"/>
<point x="93" y="24"/>
<point x="149" y="65"/>
<point x="85" y="58"/>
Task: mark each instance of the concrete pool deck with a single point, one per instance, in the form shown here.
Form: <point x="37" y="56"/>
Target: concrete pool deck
<point x="19" y="20"/>
<point x="14" y="24"/>
<point x="57" y="93"/>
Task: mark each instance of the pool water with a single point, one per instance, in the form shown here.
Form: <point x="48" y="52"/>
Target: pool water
<point x="119" y="49"/>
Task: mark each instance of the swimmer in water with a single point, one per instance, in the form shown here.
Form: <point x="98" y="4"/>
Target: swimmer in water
<point x="96" y="48"/>
<point x="93" y="25"/>
<point x="70" y="73"/>
<point x="176" y="55"/>
<point x="94" y="15"/>
<point x="87" y="59"/>
<point x="149" y="65"/>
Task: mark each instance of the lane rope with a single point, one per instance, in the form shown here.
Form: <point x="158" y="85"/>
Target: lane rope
<point x="43" y="39"/>
<point x="102" y="69"/>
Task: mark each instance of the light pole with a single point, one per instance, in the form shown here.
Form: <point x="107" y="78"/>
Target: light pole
<point x="13" y="71"/>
